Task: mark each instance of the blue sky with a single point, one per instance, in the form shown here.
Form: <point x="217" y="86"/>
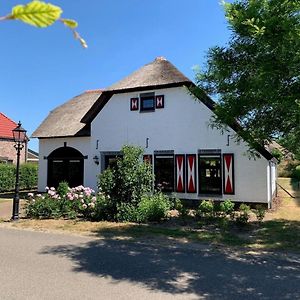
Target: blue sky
<point x="42" y="68"/>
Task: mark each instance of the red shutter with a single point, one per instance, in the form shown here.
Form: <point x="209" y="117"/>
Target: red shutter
<point x="228" y="173"/>
<point x="160" y="101"/>
<point x="180" y="168"/>
<point x="134" y="104"/>
<point x="191" y="173"/>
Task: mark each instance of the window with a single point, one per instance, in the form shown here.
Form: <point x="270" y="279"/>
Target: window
<point x="164" y="172"/>
<point x="210" y="180"/>
<point x="110" y="161"/>
<point x="147" y="102"/>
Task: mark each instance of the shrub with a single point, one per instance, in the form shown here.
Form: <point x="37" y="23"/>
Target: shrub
<point x="105" y="208"/>
<point x="7" y="177"/>
<point x="129" y="179"/>
<point x="243" y="214"/>
<point x="153" y="207"/>
<point x="296" y="173"/>
<point x="63" y="189"/>
<point x="227" y="207"/>
<point x="65" y="202"/>
<point x="287" y="168"/>
<point x="127" y="212"/>
<point x="206" y="209"/>
<point x="43" y="207"/>
<point x="259" y="212"/>
<point x="182" y="210"/>
<point x="28" y="176"/>
<point x="106" y="181"/>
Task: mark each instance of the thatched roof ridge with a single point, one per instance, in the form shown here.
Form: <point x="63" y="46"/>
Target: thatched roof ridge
<point x="65" y="119"/>
<point x="157" y="73"/>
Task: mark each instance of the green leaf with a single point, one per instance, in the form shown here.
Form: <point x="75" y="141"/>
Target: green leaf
<point x="70" y="23"/>
<point x="37" y="13"/>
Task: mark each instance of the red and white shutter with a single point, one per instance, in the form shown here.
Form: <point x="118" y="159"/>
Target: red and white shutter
<point x="159" y="101"/>
<point x="134" y="104"/>
<point x="180" y="168"/>
<point x="228" y="173"/>
<point x="191" y="173"/>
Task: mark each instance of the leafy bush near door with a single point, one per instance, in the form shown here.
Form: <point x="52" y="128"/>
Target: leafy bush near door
<point x="129" y="179"/>
<point x="129" y="184"/>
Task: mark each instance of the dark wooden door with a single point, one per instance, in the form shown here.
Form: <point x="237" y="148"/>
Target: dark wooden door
<point x="65" y="164"/>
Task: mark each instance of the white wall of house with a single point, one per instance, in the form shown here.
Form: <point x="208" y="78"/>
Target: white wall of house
<point x="46" y="146"/>
<point x="183" y="126"/>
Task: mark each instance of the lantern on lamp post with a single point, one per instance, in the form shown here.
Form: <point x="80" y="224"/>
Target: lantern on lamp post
<point x="19" y="135"/>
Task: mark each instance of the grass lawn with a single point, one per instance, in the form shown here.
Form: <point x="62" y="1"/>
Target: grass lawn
<point x="279" y="231"/>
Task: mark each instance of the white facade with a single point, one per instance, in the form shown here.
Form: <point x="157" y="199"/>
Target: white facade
<point x="182" y="126"/>
<point x="82" y="144"/>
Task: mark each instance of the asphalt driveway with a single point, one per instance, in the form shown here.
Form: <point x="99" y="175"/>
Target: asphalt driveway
<point x="36" y="265"/>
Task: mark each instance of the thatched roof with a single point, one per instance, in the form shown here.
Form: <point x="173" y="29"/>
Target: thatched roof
<point x="65" y="120"/>
<point x="158" y="74"/>
<point x="273" y="145"/>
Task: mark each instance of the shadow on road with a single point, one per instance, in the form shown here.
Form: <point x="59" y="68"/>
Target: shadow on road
<point x="180" y="269"/>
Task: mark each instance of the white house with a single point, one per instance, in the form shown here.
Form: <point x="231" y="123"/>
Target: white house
<point x="153" y="108"/>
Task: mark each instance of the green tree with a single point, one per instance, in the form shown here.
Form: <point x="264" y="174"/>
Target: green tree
<point x="256" y="76"/>
<point x="129" y="178"/>
<point x="41" y="14"/>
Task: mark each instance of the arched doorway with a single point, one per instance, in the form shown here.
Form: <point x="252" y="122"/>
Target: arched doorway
<point x="65" y="164"/>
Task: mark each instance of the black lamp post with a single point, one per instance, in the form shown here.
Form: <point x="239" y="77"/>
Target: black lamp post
<point x="19" y="134"/>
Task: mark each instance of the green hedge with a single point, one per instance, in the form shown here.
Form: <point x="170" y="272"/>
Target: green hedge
<point x="28" y="176"/>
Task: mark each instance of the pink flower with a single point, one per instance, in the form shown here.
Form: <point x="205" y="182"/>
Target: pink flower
<point x="70" y="197"/>
<point x="51" y="192"/>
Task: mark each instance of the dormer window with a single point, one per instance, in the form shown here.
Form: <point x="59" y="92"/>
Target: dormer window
<point x="147" y="102"/>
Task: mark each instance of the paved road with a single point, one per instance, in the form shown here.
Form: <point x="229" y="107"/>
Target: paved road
<point x="35" y="265"/>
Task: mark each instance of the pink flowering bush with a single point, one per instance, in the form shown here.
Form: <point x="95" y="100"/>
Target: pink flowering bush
<point x="65" y="202"/>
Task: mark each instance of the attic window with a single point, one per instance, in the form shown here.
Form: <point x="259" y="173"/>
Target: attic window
<point x="147" y="102"/>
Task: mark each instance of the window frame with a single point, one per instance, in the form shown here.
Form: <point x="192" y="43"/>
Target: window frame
<point x="106" y="155"/>
<point x="160" y="156"/>
<point x="201" y="191"/>
<point x="145" y="97"/>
